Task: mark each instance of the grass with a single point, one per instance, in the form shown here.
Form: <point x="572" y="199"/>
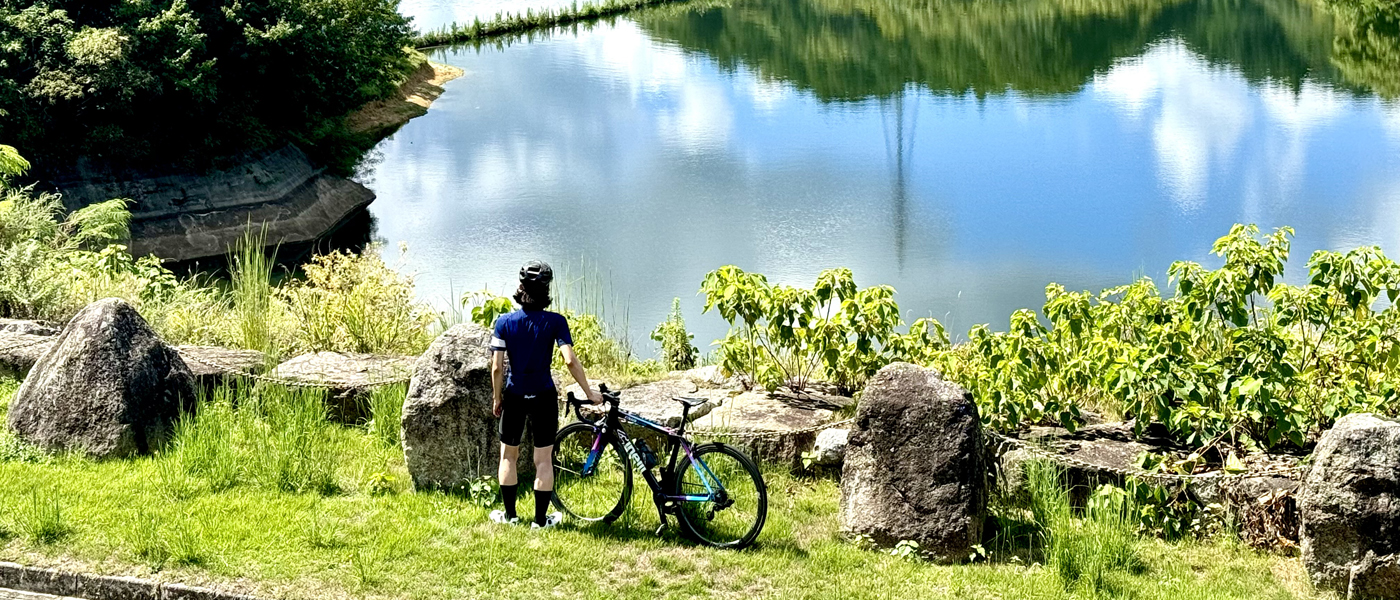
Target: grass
<point x="513" y="23"/>
<point x="254" y="512"/>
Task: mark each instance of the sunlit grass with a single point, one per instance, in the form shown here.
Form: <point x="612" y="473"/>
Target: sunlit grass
<point x="261" y="523"/>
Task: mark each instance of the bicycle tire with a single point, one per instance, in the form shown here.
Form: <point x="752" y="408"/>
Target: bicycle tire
<point x="697" y="518"/>
<point x="599" y="510"/>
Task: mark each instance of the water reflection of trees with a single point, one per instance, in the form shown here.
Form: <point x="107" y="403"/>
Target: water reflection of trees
<point x="857" y="49"/>
<point x="1367" y="44"/>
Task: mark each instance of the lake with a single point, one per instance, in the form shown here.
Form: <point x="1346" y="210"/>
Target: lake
<point x="965" y="153"/>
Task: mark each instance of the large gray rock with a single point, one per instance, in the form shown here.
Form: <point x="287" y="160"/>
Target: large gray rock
<point x="212" y="365"/>
<point x="449" y="434"/>
<point x="786" y="422"/>
<point x="15" y="326"/>
<point x="348" y="378"/>
<point x="1350" y="504"/>
<point x="108" y="387"/>
<point x="914" y="466"/>
<point x="19" y="352"/>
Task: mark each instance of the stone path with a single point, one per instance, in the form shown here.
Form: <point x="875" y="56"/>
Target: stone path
<point x="18" y="595"/>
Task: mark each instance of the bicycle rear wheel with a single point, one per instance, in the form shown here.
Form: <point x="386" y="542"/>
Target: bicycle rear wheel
<point x="597" y="492"/>
<point x="735" y="518"/>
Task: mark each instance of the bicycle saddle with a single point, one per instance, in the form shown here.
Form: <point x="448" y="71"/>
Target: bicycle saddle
<point x="691" y="402"/>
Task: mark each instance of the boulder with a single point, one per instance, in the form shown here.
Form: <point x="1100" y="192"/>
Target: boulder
<point x="17" y="326"/>
<point x="708" y="376"/>
<point x="449" y="434"/>
<point x="1350" y="505"/>
<point x="915" y="467"/>
<point x="108" y="387"/>
<point x="785" y="419"/>
<point x="212" y="365"/>
<point x="830" y="448"/>
<point x="19" y="352"/>
<point x="346" y="376"/>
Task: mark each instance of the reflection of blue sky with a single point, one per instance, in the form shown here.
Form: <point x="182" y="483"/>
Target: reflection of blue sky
<point x="435" y="14"/>
<point x="658" y="166"/>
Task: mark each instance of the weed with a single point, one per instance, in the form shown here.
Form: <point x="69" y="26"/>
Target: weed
<point x="386" y="413"/>
<point x="41" y="519"/>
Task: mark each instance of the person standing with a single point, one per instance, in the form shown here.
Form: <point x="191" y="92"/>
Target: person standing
<point x="525" y="393"/>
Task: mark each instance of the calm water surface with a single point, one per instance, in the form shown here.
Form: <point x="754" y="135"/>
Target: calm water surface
<point x="965" y="153"/>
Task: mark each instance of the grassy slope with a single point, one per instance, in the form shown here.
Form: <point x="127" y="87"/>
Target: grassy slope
<point x="405" y="545"/>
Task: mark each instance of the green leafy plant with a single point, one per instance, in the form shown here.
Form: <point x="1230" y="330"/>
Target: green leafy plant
<point x="786" y="336"/>
<point x="677" y="351"/>
<point x="42" y="519"/>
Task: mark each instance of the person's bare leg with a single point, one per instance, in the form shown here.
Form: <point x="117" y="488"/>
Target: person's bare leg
<point x="510" y="456"/>
<point x="544" y="469"/>
<point x="544" y="482"/>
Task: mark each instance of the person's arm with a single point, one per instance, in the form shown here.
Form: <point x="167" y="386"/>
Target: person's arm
<point x="498" y="380"/>
<point x="576" y="369"/>
<point x="498" y="369"/>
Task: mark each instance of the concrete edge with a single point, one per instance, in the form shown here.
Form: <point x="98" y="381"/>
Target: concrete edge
<point x="101" y="587"/>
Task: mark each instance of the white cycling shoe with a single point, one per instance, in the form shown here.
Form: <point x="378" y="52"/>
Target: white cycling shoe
<point x="550" y="520"/>
<point x="499" y="516"/>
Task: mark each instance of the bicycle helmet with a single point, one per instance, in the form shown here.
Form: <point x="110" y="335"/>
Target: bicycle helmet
<point x="537" y="271"/>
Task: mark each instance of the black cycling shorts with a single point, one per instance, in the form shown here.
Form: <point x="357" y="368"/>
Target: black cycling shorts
<point x="542" y="411"/>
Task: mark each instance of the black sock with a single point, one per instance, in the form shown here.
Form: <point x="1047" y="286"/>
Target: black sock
<point x="508" y="498"/>
<point x="542" y="505"/>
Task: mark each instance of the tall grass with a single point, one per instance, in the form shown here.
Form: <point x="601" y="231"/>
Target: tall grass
<point x="386" y="413"/>
<point x="269" y="437"/>
<point x="1086" y="551"/>
<point x="42" y="518"/>
<point x="250" y="274"/>
<point x="509" y="23"/>
<point x="599" y="321"/>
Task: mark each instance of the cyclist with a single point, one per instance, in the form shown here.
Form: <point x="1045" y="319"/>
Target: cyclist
<point x="526" y="392"/>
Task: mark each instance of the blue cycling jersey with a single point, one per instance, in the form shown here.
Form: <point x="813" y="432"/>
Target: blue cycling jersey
<point x="528" y="337"/>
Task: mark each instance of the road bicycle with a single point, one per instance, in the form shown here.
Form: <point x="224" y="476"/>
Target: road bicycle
<point x="716" y="492"/>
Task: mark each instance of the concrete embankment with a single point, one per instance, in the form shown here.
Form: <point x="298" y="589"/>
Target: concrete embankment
<point x="185" y="215"/>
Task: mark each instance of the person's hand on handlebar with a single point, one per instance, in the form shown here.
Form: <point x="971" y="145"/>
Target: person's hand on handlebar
<point x="593" y="396"/>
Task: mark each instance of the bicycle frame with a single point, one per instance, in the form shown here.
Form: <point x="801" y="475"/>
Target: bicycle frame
<point x="675" y="444"/>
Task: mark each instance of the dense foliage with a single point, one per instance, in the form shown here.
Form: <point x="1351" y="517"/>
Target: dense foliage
<point x="786" y="336"/>
<point x="51" y="265"/>
<point x="171" y="80"/>
<point x="1233" y="357"/>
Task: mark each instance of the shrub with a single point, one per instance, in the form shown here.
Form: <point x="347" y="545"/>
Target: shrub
<point x="781" y="335"/>
<point x="677" y="353"/>
<point x="356" y="303"/>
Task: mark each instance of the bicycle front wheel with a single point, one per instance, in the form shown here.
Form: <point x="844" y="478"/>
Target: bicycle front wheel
<point x="737" y="507"/>
<point x="595" y="491"/>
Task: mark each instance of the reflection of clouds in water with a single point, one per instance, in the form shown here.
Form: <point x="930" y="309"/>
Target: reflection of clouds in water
<point x="1391" y="119"/>
<point x="502" y="166"/>
<point x="765" y="95"/>
<point x="1201" y="113"/>
<point x="696" y="116"/>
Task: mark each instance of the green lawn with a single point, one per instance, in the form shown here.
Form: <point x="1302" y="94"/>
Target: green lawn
<point x="365" y="535"/>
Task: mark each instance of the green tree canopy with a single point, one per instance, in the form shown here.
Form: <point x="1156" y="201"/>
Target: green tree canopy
<point x="156" y="80"/>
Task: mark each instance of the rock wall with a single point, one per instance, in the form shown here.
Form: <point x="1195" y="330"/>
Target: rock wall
<point x="182" y="216"/>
